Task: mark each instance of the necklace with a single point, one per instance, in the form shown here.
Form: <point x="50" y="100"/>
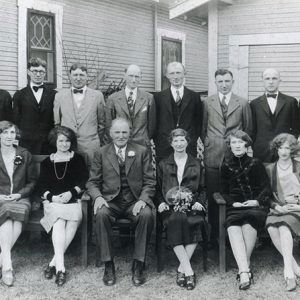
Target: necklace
<point x="282" y="168"/>
<point x="65" y="170"/>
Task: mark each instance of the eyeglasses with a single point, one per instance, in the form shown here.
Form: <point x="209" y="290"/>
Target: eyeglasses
<point x="35" y="72"/>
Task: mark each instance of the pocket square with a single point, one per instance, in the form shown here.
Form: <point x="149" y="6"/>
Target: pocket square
<point x="144" y="109"/>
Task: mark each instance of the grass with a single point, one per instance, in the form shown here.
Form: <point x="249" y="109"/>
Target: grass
<point x="30" y="258"/>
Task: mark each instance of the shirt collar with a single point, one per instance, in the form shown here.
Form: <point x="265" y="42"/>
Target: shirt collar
<point x="128" y="90"/>
<point x="123" y="149"/>
<point x="228" y="96"/>
<point x="174" y="89"/>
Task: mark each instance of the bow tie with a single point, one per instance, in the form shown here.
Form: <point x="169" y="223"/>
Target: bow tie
<point x="76" y="91"/>
<point x="37" y="87"/>
<point x="272" y="96"/>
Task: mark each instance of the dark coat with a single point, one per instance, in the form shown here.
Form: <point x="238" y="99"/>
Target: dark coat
<point x="266" y="126"/>
<point x="5" y="106"/>
<point x="24" y="176"/>
<point x="167" y="177"/>
<point x="245" y="178"/>
<point x="189" y="120"/>
<point x="33" y="119"/>
<point x="105" y="174"/>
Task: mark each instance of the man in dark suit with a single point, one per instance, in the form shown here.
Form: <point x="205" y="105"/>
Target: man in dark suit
<point x="135" y="105"/>
<point x="176" y="107"/>
<point x="33" y="109"/>
<point x="273" y="113"/>
<point x="223" y="113"/>
<point x="122" y="183"/>
<point x="5" y="106"/>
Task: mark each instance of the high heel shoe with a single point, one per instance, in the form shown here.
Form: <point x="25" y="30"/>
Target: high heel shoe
<point x="290" y="284"/>
<point x="244" y="285"/>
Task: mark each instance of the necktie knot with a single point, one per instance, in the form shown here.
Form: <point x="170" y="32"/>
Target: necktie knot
<point x="37" y="87"/>
<point x="272" y="96"/>
<point x="78" y="91"/>
<point x="178" y="98"/>
<point x="224" y="101"/>
<point x="121" y="158"/>
<point x="130" y="102"/>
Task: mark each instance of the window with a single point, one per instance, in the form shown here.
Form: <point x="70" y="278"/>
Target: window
<point x="41" y="40"/>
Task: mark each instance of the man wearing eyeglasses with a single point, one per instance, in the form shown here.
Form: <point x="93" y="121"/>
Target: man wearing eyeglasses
<point x="33" y="109"/>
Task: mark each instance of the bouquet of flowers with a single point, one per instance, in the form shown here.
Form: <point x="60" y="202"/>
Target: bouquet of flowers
<point x="180" y="198"/>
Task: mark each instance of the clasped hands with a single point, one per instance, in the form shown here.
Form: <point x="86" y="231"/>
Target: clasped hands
<point x="164" y="206"/>
<point x="100" y="201"/>
<point x="62" y="198"/>
<point x="10" y="197"/>
<point x="287" y="208"/>
<point x="248" y="203"/>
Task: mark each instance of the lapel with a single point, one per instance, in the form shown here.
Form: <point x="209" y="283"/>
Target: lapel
<point x="280" y="103"/>
<point x="44" y="99"/>
<point x="129" y="159"/>
<point x="67" y="99"/>
<point x="86" y="105"/>
<point x="233" y="104"/>
<point x="112" y="157"/>
<point x="265" y="105"/>
<point x="185" y="99"/>
<point x="167" y="98"/>
<point x="122" y="100"/>
<point x="30" y="98"/>
<point x="215" y="104"/>
<point x="139" y="101"/>
<point x="2" y="164"/>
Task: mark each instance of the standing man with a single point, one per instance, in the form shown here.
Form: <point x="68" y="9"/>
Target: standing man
<point x="81" y="109"/>
<point x="122" y="183"/>
<point x="5" y="106"/>
<point x="223" y="113"/>
<point x="134" y="105"/>
<point x="33" y="109"/>
<point x="176" y="107"/>
<point x="273" y="113"/>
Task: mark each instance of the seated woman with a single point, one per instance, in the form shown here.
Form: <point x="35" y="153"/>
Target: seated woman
<point x="62" y="179"/>
<point x="17" y="181"/>
<point x="178" y="189"/>
<point x="246" y="190"/>
<point x="283" y="222"/>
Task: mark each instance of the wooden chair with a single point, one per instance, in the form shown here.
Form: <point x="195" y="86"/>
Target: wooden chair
<point x="36" y="215"/>
<point x="161" y="234"/>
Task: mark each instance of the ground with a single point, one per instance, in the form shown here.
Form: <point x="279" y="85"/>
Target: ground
<point x="30" y="258"/>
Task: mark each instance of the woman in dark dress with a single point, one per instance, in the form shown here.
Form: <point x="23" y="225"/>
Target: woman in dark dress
<point x="17" y="181"/>
<point x="283" y="222"/>
<point x="179" y="178"/>
<point x="246" y="190"/>
<point x="62" y="179"/>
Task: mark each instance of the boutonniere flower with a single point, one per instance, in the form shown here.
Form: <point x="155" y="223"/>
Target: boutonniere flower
<point x="18" y="160"/>
<point x="131" y="154"/>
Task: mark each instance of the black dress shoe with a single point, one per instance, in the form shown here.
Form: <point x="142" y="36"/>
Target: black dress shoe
<point x="49" y="272"/>
<point x="137" y="273"/>
<point x="109" y="277"/>
<point x="180" y="279"/>
<point x="60" y="278"/>
<point x="190" y="282"/>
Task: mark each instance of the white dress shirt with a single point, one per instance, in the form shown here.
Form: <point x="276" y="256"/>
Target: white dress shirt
<point x="272" y="102"/>
<point x="174" y="92"/>
<point x="38" y="94"/>
<point x="134" y="93"/>
<point x="227" y="96"/>
<point x="78" y="97"/>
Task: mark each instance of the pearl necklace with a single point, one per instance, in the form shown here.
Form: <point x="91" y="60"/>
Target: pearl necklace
<point x="282" y="168"/>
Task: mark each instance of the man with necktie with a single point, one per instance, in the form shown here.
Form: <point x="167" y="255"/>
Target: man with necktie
<point x="33" y="109"/>
<point x="134" y="105"/>
<point x="273" y="113"/>
<point x="176" y="107"/>
<point x="223" y="113"/>
<point x="122" y="183"/>
<point x="82" y="109"/>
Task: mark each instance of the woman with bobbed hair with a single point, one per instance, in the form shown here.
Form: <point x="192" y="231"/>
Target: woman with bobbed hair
<point x="62" y="179"/>
<point x="179" y="203"/>
<point x="17" y="181"/>
<point x="283" y="222"/>
<point x="246" y="190"/>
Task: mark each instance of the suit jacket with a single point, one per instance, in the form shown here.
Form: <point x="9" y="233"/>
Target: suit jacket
<point x="34" y="119"/>
<point x="5" y="106"/>
<point x="266" y="126"/>
<point x="90" y="129"/>
<point x="105" y="174"/>
<point x="143" y="123"/>
<point x="215" y="129"/>
<point x="189" y="120"/>
<point x="24" y="175"/>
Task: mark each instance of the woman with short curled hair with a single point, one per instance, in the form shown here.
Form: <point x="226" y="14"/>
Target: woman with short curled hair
<point x="246" y="190"/>
<point x="17" y="181"/>
<point x="62" y="180"/>
<point x="283" y="222"/>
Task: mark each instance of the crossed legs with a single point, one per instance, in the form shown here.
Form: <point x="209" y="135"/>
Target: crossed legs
<point x="184" y="255"/>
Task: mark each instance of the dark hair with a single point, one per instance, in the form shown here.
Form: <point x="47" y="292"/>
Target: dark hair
<point x="223" y="72"/>
<point x="7" y="124"/>
<point x="280" y="139"/>
<point x="36" y="62"/>
<point x="239" y="134"/>
<point x="179" y="132"/>
<point x="78" y="66"/>
<point x="67" y="132"/>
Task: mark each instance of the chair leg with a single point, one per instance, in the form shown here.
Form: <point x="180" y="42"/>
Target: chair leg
<point x="159" y="249"/>
<point x="222" y="236"/>
<point x="84" y="234"/>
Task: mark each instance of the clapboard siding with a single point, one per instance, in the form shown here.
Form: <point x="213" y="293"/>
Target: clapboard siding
<point x="8" y="45"/>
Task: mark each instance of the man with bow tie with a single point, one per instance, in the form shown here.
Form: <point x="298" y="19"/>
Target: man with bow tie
<point x="83" y="110"/>
<point x="273" y="113"/>
<point x="176" y="107"/>
<point x="122" y="183"/>
<point x="33" y="109"/>
<point x="135" y="105"/>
